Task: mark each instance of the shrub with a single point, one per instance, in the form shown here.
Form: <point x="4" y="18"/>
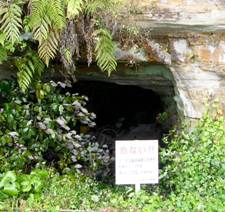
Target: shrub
<point x="44" y="126"/>
<point x="194" y="162"/>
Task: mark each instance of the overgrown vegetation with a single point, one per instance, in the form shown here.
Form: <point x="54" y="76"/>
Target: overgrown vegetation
<point x="192" y="163"/>
<point x="196" y="161"/>
<point x="45" y="127"/>
<point x="193" y="174"/>
<point x="48" y="158"/>
<point x="56" y="29"/>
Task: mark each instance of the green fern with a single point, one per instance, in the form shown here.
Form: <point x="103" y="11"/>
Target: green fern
<point x="74" y="7"/>
<point x="48" y="48"/>
<point x="11" y="21"/>
<point x="56" y="13"/>
<point x="47" y="20"/>
<point x="104" y="50"/>
<point x="93" y="6"/>
<point x="30" y="68"/>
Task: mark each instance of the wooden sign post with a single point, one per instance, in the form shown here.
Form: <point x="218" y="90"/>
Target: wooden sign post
<point x="137" y="162"/>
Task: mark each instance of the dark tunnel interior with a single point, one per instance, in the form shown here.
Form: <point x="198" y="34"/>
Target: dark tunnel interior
<point x="129" y="112"/>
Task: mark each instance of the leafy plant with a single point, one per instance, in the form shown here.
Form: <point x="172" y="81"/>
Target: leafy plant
<point x="12" y="184"/>
<point x="30" y="68"/>
<point x="34" y="182"/>
<point x="11" y="20"/>
<point x="192" y="179"/>
<point x="55" y="28"/>
<point x="45" y="127"/>
<point x="8" y="185"/>
<point x="104" y="51"/>
<point x="195" y="161"/>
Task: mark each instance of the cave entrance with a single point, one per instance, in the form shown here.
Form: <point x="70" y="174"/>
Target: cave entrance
<point x="124" y="112"/>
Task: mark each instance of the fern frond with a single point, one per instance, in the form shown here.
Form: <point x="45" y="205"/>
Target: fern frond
<point x="11" y="21"/>
<point x="56" y="13"/>
<point x="47" y="20"/>
<point x="74" y="7"/>
<point x="30" y="68"/>
<point x="48" y="48"/>
<point x="93" y="6"/>
<point x="47" y="12"/>
<point x="104" y="50"/>
<point x="39" y="22"/>
<point x="41" y="32"/>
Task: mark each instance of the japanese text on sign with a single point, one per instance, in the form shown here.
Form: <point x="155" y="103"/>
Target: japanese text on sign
<point x="137" y="162"/>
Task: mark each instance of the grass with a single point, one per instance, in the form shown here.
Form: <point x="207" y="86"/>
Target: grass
<point x="77" y="192"/>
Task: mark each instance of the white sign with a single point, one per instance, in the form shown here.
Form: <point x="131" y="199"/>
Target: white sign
<point x="137" y="162"/>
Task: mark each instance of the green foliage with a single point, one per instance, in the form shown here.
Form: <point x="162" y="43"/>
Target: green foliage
<point x="11" y="20"/>
<point x="162" y="117"/>
<point x="12" y="184"/>
<point x="52" y="31"/>
<point x="192" y="179"/>
<point x="94" y="5"/>
<point x="33" y="183"/>
<point x="46" y="20"/>
<point x="8" y="186"/>
<point x="30" y="68"/>
<point x="74" y="7"/>
<point x="44" y="127"/>
<point x="3" y="54"/>
<point x="105" y="51"/>
<point x="78" y="192"/>
<point x="195" y="161"/>
<point x="48" y="47"/>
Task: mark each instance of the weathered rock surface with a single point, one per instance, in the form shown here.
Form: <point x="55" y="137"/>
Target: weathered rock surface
<point x="193" y="33"/>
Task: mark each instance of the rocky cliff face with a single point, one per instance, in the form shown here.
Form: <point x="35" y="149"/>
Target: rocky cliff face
<point x="192" y="35"/>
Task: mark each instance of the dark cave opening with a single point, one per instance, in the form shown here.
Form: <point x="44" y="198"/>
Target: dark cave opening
<point x="124" y="112"/>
